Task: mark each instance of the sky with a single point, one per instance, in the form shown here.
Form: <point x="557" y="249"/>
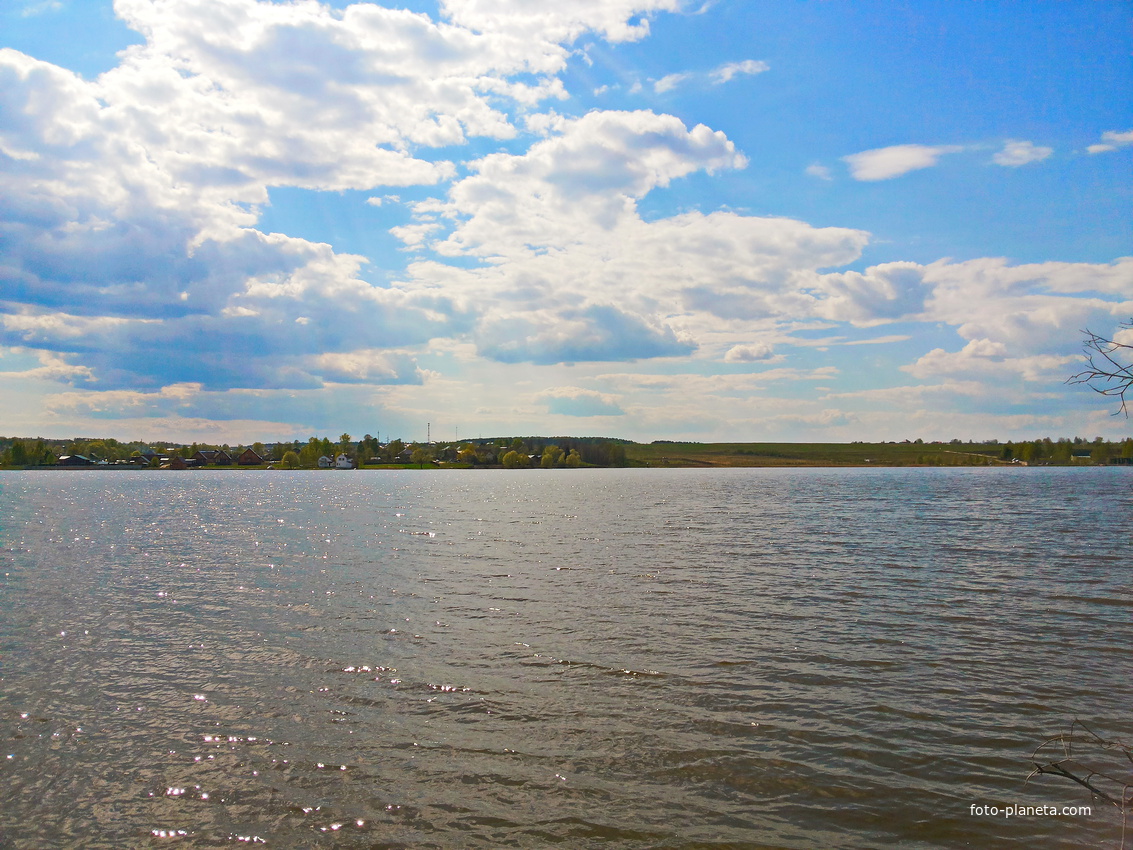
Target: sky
<point x="741" y="220"/>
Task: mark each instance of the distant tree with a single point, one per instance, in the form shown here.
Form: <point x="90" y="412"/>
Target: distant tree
<point x="290" y="460"/>
<point x="421" y="456"/>
<point x="393" y="449"/>
<point x="368" y="448"/>
<point x="309" y="455"/>
<point x="573" y="460"/>
<point x="515" y="460"/>
<point x="552" y="455"/>
<point x="1101" y="451"/>
<point x="257" y="447"/>
<point x="1109" y="365"/>
<point x="617" y="455"/>
<point x="1061" y="452"/>
<point x="19" y="453"/>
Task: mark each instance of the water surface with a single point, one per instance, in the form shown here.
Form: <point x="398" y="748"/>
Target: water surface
<point x="582" y="658"/>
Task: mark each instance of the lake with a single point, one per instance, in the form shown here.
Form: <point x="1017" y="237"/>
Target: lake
<point x="744" y="658"/>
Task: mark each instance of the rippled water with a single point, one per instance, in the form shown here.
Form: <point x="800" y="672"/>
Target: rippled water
<point x="584" y="658"/>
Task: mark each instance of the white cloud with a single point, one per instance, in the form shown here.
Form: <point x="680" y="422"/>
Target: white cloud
<point x="880" y="340"/>
<point x="575" y="274"/>
<point x="576" y="401"/>
<point x="883" y="293"/>
<point x="30" y="10"/>
<point x="567" y="187"/>
<point x="983" y="358"/>
<point x="669" y="82"/>
<point x="296" y="94"/>
<point x="747" y="67"/>
<point x="558" y="23"/>
<point x="132" y="266"/>
<point x="1016" y="153"/>
<point x="749" y="353"/>
<point x="367" y="366"/>
<point x="890" y="162"/>
<point x="1112" y="140"/>
<point x="52" y="367"/>
<point x="152" y="172"/>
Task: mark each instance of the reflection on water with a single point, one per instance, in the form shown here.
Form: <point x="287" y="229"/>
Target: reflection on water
<point x="596" y="658"/>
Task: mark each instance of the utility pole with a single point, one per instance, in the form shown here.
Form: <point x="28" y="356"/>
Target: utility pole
<point x="428" y="433"/>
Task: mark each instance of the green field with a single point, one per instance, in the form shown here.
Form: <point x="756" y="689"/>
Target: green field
<point x="812" y="454"/>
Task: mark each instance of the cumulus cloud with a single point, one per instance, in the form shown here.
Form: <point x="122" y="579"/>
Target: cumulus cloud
<point x="817" y="169"/>
<point x="575" y="401"/>
<point x="732" y="69"/>
<point x="574" y="272"/>
<point x="133" y="268"/>
<point x="594" y="333"/>
<point x="1111" y="141"/>
<point x="296" y="94"/>
<point x="749" y="353"/>
<point x="592" y="170"/>
<point x="52" y="367"/>
<point x="1016" y="153"/>
<point x="1020" y="323"/>
<point x="983" y="358"/>
<point x="890" y="162"/>
<point x="128" y="203"/>
<point x="882" y="293"/>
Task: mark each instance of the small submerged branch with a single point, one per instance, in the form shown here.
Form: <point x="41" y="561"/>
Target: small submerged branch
<point x="1102" y="766"/>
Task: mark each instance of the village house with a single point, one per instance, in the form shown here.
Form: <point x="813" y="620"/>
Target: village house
<point x="75" y="460"/>
<point x="217" y="457"/>
<point x="249" y="458"/>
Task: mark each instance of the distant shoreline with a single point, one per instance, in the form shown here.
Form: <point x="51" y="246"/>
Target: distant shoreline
<point x="551" y="452"/>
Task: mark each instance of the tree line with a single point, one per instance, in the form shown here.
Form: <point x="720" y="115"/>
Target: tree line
<point x="510" y="452"/>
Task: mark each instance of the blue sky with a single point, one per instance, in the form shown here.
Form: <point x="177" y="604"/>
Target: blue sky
<point x="231" y="220"/>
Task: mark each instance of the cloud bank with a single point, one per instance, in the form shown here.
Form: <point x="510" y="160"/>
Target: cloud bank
<point x="139" y="283"/>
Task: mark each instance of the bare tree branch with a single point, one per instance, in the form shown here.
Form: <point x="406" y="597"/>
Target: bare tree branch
<point x="1109" y="367"/>
<point x="1104" y="767"/>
